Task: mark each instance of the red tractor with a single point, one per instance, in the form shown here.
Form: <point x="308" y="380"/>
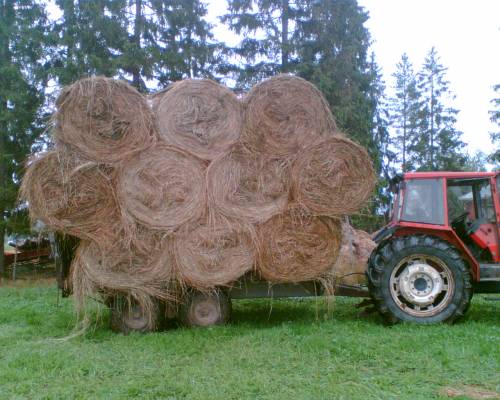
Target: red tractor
<point x="441" y="246"/>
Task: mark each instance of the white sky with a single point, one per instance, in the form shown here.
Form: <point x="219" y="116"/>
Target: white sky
<point x="466" y="34"/>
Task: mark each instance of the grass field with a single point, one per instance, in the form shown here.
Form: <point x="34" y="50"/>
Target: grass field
<point x="294" y="352"/>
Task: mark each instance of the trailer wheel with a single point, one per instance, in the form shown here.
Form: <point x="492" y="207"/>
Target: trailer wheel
<point x="126" y="317"/>
<point x="201" y="309"/>
<point x="420" y="279"/>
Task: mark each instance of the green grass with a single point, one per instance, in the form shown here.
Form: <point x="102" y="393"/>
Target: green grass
<point x="294" y="352"/>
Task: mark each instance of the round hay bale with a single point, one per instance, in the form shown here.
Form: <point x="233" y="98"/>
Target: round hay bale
<point x="207" y="256"/>
<point x="285" y="114"/>
<point x="334" y="177"/>
<point x="119" y="271"/>
<point x="294" y="247"/>
<point x="351" y="264"/>
<point x="104" y="119"/>
<point x="199" y="116"/>
<point x="69" y="196"/>
<point x="162" y="188"/>
<point x="247" y="186"/>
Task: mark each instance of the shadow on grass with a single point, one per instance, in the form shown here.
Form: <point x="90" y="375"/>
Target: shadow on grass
<point x="269" y="313"/>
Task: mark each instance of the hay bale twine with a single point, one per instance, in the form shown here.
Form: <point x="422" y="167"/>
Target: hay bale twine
<point x="200" y="116"/>
<point x="294" y="247"/>
<point x="105" y="120"/>
<point x="285" y="114"/>
<point x="247" y="186"/>
<point x="212" y="255"/>
<point x="333" y="177"/>
<point x="162" y="188"/>
<point x="69" y="196"/>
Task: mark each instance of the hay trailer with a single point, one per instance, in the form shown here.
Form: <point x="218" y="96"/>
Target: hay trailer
<point x="195" y="308"/>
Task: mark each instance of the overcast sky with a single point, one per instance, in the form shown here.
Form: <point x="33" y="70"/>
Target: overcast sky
<point x="466" y="34"/>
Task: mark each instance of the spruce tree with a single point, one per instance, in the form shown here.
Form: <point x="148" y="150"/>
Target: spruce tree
<point x="23" y="35"/>
<point x="495" y="118"/>
<point x="332" y="52"/>
<point x="438" y="145"/>
<point x="89" y="39"/>
<point x="404" y="110"/>
<point x="268" y="28"/>
<point x="184" y="44"/>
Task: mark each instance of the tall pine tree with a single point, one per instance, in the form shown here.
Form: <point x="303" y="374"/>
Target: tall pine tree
<point x="268" y="28"/>
<point x="438" y="145"/>
<point x="495" y="118"/>
<point x="23" y="34"/>
<point x="184" y="44"/>
<point x="89" y="38"/>
<point x="404" y="110"/>
<point x="143" y="41"/>
<point x="332" y="52"/>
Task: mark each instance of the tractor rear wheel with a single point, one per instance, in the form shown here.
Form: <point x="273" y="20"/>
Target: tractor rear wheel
<point x="203" y="309"/>
<point x="420" y="279"/>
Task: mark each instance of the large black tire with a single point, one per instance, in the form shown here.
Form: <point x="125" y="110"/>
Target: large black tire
<point x="401" y="274"/>
<point x="203" y="309"/>
<point x="129" y="317"/>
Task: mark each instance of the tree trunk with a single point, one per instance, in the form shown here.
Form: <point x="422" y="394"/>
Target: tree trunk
<point x="136" y="72"/>
<point x="284" y="35"/>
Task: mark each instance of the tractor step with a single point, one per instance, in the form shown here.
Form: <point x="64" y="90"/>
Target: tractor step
<point x="489" y="272"/>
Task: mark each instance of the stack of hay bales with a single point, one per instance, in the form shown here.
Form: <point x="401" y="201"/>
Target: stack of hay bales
<point x="196" y="187"/>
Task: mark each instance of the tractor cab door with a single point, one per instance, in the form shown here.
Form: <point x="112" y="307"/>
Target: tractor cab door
<point x="471" y="213"/>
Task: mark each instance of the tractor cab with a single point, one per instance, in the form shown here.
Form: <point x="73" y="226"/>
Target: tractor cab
<point x="465" y="203"/>
<point x="441" y="245"/>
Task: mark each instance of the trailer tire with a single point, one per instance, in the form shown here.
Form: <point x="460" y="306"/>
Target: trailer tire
<point x="205" y="309"/>
<point x="127" y="318"/>
<point x="420" y="279"/>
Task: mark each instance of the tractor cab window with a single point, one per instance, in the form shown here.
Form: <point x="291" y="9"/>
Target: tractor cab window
<point x="424" y="201"/>
<point x="470" y="199"/>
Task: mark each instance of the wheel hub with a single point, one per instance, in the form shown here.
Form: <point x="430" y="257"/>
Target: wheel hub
<point x="420" y="283"/>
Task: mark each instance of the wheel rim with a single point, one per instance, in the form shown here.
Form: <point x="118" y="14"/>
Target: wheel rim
<point x="422" y="285"/>
<point x="206" y="312"/>
<point x="135" y="319"/>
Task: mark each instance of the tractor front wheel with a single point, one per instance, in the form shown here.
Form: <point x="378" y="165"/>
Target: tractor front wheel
<point x="420" y="279"/>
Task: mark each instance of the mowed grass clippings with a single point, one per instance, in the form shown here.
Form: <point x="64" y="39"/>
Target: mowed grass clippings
<point x="271" y="350"/>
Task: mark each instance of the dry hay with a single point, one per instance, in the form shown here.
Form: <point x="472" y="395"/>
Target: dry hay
<point x="246" y="186"/>
<point x="199" y="116"/>
<point x="162" y="188"/>
<point x="119" y="272"/>
<point x="285" y="114"/>
<point x="68" y="196"/>
<point x="105" y="120"/>
<point x="356" y="248"/>
<point x="333" y="177"/>
<point x="294" y="247"/>
<point x="211" y="255"/>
